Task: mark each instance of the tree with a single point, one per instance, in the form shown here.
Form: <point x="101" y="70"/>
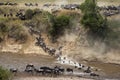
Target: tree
<point x="59" y="24"/>
<point x="92" y="18"/>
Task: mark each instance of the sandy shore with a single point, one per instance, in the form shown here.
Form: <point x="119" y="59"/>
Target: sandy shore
<point x="50" y="78"/>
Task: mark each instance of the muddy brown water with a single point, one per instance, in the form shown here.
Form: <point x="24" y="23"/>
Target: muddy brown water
<point x="14" y="60"/>
<point x="110" y="69"/>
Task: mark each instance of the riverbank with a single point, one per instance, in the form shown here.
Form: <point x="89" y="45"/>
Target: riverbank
<point x="13" y="60"/>
<point x="50" y="78"/>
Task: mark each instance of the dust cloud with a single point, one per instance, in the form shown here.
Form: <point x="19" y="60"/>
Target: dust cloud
<point x="78" y="46"/>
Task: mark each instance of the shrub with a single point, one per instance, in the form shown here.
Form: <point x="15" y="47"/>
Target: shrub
<point x="3" y="30"/>
<point x="4" y="74"/>
<point x="59" y="24"/>
<point x="40" y="21"/>
<point x="18" y="33"/>
<point x="29" y="14"/>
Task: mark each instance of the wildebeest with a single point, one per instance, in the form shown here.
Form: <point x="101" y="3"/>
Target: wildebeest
<point x="51" y="51"/>
<point x="29" y="65"/>
<point x="8" y="15"/>
<point x="88" y="70"/>
<point x="36" y="4"/>
<point x="60" y="47"/>
<point x="9" y="3"/>
<point x="32" y="31"/>
<point x="46" y="5"/>
<point x="13" y="70"/>
<point x="11" y="14"/>
<point x="5" y="15"/>
<point x="81" y="66"/>
<point x="94" y="74"/>
<point x="69" y="70"/>
<point x="28" y="4"/>
<point x="47" y="70"/>
<point x="20" y="15"/>
<point x="1" y="3"/>
<point x="61" y="70"/>
<point x="29" y="68"/>
<point x="39" y="71"/>
<point x="57" y="70"/>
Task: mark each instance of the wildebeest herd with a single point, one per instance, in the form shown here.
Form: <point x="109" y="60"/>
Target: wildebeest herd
<point x="70" y="6"/>
<point x="20" y="14"/>
<point x="107" y="10"/>
<point x="43" y="70"/>
<point x="31" y="4"/>
<point x="50" y="5"/>
<point x="8" y="3"/>
<point x="52" y="51"/>
<point x="57" y="70"/>
<point x="110" y="10"/>
<point x="48" y="71"/>
<point x="63" y="6"/>
<point x="40" y="42"/>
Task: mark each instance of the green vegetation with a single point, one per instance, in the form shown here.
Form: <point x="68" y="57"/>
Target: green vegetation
<point x="18" y="33"/>
<point x="92" y="19"/>
<point x="59" y="24"/>
<point x="29" y="14"/>
<point x="40" y="21"/>
<point x="13" y="29"/>
<point x="55" y="25"/>
<point x="3" y="31"/>
<point x="4" y="74"/>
